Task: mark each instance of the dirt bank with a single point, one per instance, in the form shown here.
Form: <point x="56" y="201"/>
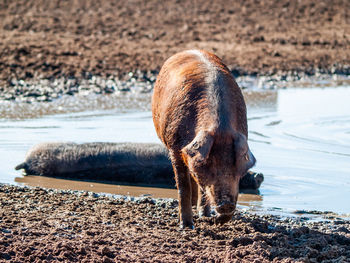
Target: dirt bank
<point x="49" y="39"/>
<point x="38" y="225"/>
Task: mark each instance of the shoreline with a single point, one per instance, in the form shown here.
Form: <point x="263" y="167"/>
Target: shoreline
<point x="140" y="83"/>
<point x="43" y="224"/>
<point x="296" y="215"/>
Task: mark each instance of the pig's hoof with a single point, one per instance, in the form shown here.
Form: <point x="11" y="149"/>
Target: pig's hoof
<point x="204" y="213"/>
<point x="223" y="218"/>
<point x="188" y="226"/>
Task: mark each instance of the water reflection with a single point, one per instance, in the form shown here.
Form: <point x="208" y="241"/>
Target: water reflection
<point x="48" y="182"/>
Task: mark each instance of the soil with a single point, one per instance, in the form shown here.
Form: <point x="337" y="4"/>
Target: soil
<point x="40" y="225"/>
<point x="80" y="39"/>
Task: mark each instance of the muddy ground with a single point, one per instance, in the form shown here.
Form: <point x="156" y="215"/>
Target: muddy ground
<point x="81" y="39"/>
<point x="38" y="225"/>
<point x="52" y="48"/>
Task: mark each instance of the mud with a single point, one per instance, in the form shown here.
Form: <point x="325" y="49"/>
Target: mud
<point x="72" y="41"/>
<point x="39" y="225"/>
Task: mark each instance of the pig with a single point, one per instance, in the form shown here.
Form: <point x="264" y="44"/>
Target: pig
<point x="123" y="162"/>
<point x="132" y="163"/>
<point x="199" y="114"/>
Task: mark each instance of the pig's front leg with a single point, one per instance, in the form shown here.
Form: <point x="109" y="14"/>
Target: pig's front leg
<point x="183" y="183"/>
<point x="195" y="193"/>
<point x="200" y="199"/>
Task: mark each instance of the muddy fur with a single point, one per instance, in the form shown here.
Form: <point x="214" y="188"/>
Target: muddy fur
<point x="132" y="163"/>
<point x="123" y="162"/>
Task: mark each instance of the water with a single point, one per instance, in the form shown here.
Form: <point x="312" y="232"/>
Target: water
<point x="300" y="137"/>
<point x="303" y="147"/>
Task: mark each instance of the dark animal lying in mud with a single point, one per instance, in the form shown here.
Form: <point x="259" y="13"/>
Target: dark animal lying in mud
<point x="122" y="163"/>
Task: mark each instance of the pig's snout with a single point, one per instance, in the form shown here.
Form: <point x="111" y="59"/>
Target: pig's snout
<point x="225" y="211"/>
<point x="226" y="207"/>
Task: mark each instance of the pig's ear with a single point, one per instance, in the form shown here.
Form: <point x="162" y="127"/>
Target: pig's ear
<point x="198" y="150"/>
<point x="244" y="157"/>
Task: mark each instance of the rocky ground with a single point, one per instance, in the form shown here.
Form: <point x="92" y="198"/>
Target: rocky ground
<point x="50" y="48"/>
<point x="39" y="225"/>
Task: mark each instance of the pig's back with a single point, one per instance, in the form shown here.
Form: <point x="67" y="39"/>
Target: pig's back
<point x="194" y="91"/>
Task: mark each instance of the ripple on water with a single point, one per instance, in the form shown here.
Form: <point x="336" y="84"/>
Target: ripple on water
<point x="305" y="153"/>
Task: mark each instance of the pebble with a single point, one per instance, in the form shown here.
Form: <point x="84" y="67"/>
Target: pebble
<point x="46" y="90"/>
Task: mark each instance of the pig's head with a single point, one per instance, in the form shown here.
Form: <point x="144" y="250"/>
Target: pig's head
<point x="217" y="163"/>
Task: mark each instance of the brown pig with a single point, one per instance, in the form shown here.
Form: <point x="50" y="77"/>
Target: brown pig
<point x="200" y="115"/>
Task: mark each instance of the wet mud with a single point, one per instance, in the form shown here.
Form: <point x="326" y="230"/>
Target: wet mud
<point x="39" y="225"/>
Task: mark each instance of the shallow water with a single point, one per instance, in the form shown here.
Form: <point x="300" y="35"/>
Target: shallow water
<point x="300" y="137"/>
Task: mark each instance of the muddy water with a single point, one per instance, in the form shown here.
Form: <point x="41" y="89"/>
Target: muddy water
<point x="300" y="137"/>
<point x="47" y="182"/>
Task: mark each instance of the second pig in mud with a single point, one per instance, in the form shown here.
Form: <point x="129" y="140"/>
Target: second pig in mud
<point x="200" y="115"/>
<point x="122" y="163"/>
